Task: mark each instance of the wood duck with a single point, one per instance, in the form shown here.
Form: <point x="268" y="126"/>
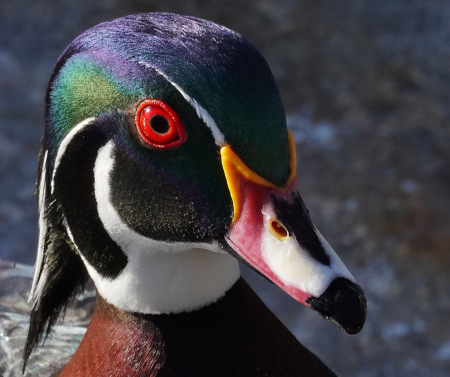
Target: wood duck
<point x="165" y="160"/>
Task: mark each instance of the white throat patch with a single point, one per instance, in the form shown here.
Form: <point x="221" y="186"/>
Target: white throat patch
<point x="160" y="277"/>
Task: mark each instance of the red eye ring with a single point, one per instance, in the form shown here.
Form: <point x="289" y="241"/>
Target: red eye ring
<point x="159" y="125"/>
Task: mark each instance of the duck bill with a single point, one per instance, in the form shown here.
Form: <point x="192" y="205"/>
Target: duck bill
<point x="272" y="232"/>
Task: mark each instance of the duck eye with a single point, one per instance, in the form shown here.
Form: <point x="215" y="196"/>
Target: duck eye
<point x="159" y="125"/>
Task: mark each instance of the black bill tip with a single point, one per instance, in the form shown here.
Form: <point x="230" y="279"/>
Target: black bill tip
<point x="344" y="303"/>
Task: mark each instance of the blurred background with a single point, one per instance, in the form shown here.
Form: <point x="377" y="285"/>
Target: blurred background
<point x="366" y="86"/>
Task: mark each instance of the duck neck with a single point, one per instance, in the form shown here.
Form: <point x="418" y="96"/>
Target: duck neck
<point x="180" y="281"/>
<point x="236" y="336"/>
<point x="118" y="343"/>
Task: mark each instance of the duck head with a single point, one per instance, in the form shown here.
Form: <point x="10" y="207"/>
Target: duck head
<point x="165" y="159"/>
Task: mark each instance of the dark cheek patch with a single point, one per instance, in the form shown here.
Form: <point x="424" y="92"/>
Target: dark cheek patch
<point x="295" y="217"/>
<point x="157" y="205"/>
<point x="74" y="190"/>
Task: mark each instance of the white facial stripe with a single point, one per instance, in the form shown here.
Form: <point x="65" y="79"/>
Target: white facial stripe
<point x="69" y="233"/>
<point x="201" y="111"/>
<point x="160" y="277"/>
<point x="40" y="277"/>
<point x="34" y="293"/>
<point x="65" y="143"/>
<point x="295" y="267"/>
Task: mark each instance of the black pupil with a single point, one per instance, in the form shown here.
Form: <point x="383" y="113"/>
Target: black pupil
<point x="160" y="124"/>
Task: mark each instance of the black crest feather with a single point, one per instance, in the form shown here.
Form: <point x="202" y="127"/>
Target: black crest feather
<point x="66" y="276"/>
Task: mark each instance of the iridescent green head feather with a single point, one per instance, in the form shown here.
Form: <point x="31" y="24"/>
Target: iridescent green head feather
<point x="107" y="68"/>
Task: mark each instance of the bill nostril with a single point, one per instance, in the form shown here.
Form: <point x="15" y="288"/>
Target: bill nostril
<point x="278" y="230"/>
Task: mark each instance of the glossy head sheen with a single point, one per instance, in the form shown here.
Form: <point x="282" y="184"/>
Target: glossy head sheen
<point x="110" y="66"/>
<point x="223" y="93"/>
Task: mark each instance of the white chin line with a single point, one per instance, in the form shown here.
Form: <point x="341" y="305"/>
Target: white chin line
<point x="295" y="267"/>
<point x="160" y="277"/>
